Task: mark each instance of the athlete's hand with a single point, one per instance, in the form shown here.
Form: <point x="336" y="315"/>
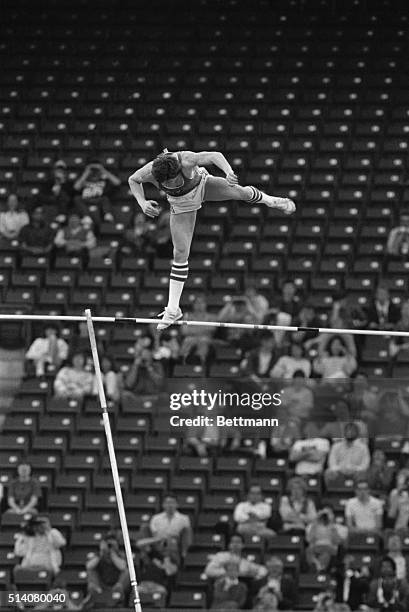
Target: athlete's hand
<point x="232" y="178"/>
<point x="151" y="208"/>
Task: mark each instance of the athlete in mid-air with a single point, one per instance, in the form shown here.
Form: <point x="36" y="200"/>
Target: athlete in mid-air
<point x="187" y="184"/>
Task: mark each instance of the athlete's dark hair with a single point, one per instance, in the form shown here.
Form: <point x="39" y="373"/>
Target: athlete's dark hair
<point x="165" y="167"/>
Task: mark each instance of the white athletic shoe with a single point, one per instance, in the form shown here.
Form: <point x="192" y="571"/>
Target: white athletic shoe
<point x="168" y="318"/>
<point x="286" y="205"/>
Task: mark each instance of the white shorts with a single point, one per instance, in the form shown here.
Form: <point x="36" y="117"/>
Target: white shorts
<point x="190" y="201"/>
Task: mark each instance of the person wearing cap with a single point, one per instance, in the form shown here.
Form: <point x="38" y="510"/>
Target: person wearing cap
<point x="56" y="193"/>
<point x="94" y="188"/>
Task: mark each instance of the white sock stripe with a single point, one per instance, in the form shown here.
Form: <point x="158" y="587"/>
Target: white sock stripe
<point x="179" y="265"/>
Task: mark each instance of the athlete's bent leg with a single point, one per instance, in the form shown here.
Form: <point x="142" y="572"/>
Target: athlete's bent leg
<point x="218" y="189"/>
<point x="181" y="228"/>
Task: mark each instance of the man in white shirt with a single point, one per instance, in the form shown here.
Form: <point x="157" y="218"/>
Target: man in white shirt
<point x="252" y="515"/>
<point x="309" y="455"/>
<point x="172" y="525"/>
<point x="364" y="512"/>
<point x="348" y="457"/>
<point x="247" y="569"/>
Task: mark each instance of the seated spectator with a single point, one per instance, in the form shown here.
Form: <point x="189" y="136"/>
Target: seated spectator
<point x="393" y="415"/>
<point x="23" y="492"/>
<point x="156" y="568"/>
<point x="229" y="593"/>
<point x="268" y="602"/>
<point x="36" y="238"/>
<point x="95" y="186"/>
<point x="297" y="511"/>
<point x="197" y="340"/>
<point x="398" y="505"/>
<point x="112" y="379"/>
<point x="307" y="317"/>
<point x="237" y="309"/>
<point x="363" y="399"/>
<point x="146" y="374"/>
<point x="55" y="193"/>
<point x="59" y="598"/>
<point x="285" y="436"/>
<point x="172" y="526"/>
<point x="50" y="350"/>
<point x="280" y="584"/>
<point x="287" y="365"/>
<point x="335" y="429"/>
<point x="76" y="238"/>
<point x="351" y="582"/>
<point x="39" y="546"/>
<point x="348" y="457"/>
<point x="73" y="380"/>
<point x="288" y="301"/>
<point x="258" y="362"/>
<point x="388" y="593"/>
<point x="382" y="313"/>
<point x="398" y="239"/>
<point x="256" y="300"/>
<point x="297" y="400"/>
<point x="400" y="343"/>
<point x="107" y="576"/>
<point x="309" y="455"/>
<point x="346" y="314"/>
<point x="137" y="237"/>
<point x="334" y="359"/>
<point x="252" y="515"/>
<point x="216" y="567"/>
<point x="364" y="513"/>
<point x="394" y="551"/>
<point x="12" y="221"/>
<point x="205" y="440"/>
<point x="323" y="540"/>
<point x="380" y="474"/>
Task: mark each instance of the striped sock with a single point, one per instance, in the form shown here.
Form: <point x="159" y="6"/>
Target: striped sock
<point x="178" y="276"/>
<point x="256" y="196"/>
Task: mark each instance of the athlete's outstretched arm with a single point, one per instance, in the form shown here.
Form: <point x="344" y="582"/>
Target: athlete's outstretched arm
<point x="206" y="158"/>
<point x="135" y="181"/>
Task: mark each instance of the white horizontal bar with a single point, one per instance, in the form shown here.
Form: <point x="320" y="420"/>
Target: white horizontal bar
<point x="255" y="326"/>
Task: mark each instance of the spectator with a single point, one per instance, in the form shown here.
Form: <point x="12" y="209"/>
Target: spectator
<point x="352" y="582"/>
<point x="205" y="440"/>
<point x="56" y="193"/>
<point x="394" y="551"/>
<point x="364" y="513"/>
<point x="36" y="238"/>
<point x="268" y="602"/>
<point x="323" y="540"/>
<point x="146" y="374"/>
<point x="288" y="302"/>
<point x="307" y="317"/>
<point x="59" y="598"/>
<point x="297" y="400"/>
<point x="95" y="186"/>
<point x="256" y="300"/>
<point x="380" y="474"/>
<point x="252" y="515"/>
<point x="75" y="238"/>
<point x="259" y="361"/>
<point x="297" y="511"/>
<point x="398" y="239"/>
<point x="363" y="399"/>
<point x="197" y="340"/>
<point x="12" y="220"/>
<point x="247" y="569"/>
<point x="335" y="360"/>
<point x="325" y="602"/>
<point x="107" y="576"/>
<point x="172" y="526"/>
<point x="398" y="506"/>
<point x="346" y="314"/>
<point x="382" y="312"/>
<point x="228" y="592"/>
<point x="288" y="433"/>
<point x="287" y="365"/>
<point x="137" y="238"/>
<point x="282" y="585"/>
<point x="348" y="457"/>
<point x="238" y="310"/>
<point x="50" y="350"/>
<point x="309" y="455"/>
<point x="23" y="492"/>
<point x="400" y="343"/>
<point x="156" y="569"/>
<point x="39" y="546"/>
<point x="112" y="379"/>
<point x="387" y="593"/>
<point x="335" y="429"/>
<point x="393" y="417"/>
<point x="73" y="380"/>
